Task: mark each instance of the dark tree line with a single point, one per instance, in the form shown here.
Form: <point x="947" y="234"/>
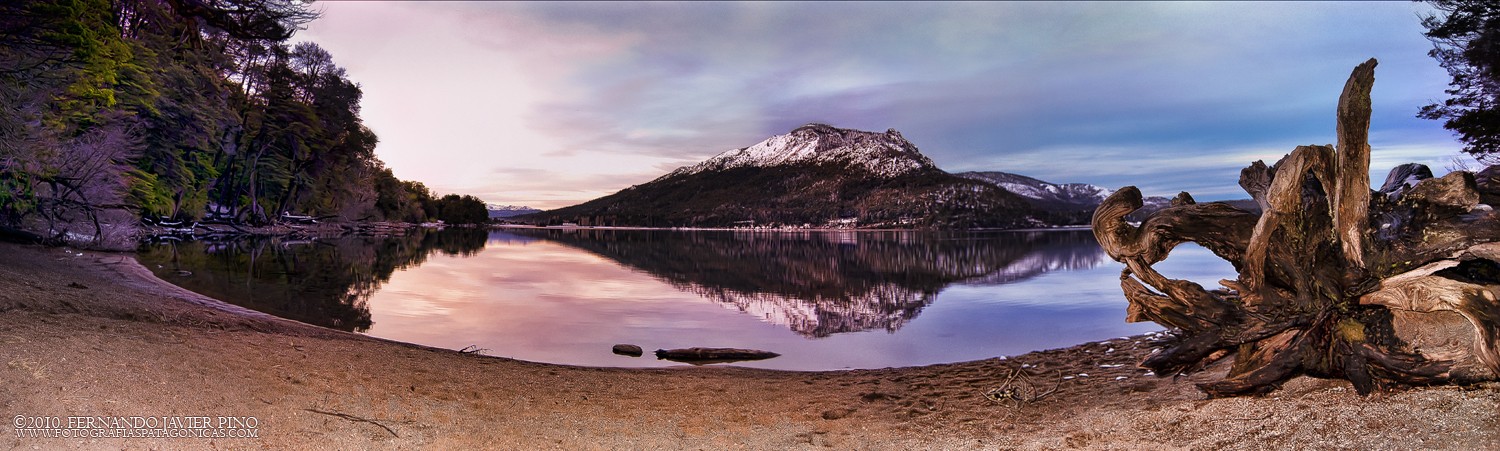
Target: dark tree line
<point x="181" y="109"/>
<point x="1466" y="42"/>
<point x="455" y="209"/>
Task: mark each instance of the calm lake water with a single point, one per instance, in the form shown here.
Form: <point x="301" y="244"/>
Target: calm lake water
<point x="824" y="300"/>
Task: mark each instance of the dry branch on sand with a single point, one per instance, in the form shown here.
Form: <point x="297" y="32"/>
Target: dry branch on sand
<point x="1382" y="289"/>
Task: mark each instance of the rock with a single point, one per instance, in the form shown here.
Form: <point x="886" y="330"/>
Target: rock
<point x="1488" y="182"/>
<point x="1402" y="178"/>
<point x="630" y="350"/>
<point x="77" y="285"/>
<point x="699" y="356"/>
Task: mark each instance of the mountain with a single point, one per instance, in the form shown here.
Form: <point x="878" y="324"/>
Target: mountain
<point x="1060" y="204"/>
<point x="883" y="155"/>
<point x="815" y="175"/>
<point x="1045" y="195"/>
<point x="506" y="211"/>
<point x="1074" y="203"/>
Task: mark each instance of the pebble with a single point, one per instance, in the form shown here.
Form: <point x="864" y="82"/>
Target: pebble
<point x="627" y="350"/>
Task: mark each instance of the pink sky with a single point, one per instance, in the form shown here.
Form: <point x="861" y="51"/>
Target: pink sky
<point x="551" y="104"/>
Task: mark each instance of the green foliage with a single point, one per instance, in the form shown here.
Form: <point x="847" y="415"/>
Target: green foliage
<point x="16" y="195"/>
<point x="455" y="209"/>
<point x="105" y="70"/>
<point x="226" y="115"/>
<point x="1466" y="42"/>
<point x="401" y="200"/>
<point x="149" y="194"/>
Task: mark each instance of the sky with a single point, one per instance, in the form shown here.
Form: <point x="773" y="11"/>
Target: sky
<point x="552" y="104"/>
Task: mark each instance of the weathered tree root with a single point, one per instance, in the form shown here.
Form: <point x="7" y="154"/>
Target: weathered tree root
<point x="1384" y="289"/>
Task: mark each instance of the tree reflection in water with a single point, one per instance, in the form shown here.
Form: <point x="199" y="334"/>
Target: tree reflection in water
<point x="324" y="282"/>
<point x="822" y="283"/>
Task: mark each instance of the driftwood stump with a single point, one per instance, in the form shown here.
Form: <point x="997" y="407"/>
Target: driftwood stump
<point x="1384" y="289"/>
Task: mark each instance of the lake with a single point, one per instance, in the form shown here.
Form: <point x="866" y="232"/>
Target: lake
<point x="823" y="299"/>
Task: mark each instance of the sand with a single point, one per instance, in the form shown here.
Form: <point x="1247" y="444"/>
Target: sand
<point x="95" y="335"/>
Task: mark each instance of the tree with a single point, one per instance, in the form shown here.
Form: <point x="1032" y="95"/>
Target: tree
<point x="70" y="81"/>
<point x="167" y="108"/>
<point x="1466" y="42"/>
<point x="1398" y="288"/>
<point x="455" y="209"/>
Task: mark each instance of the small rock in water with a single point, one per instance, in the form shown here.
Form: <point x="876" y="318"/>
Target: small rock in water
<point x="630" y="350"/>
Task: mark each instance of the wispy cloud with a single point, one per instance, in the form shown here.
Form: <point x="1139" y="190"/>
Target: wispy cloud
<point x="593" y="93"/>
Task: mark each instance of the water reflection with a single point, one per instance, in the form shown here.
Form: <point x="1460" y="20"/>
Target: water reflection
<point x="567" y="296"/>
<point x="325" y="282"/>
<point x="823" y="283"/>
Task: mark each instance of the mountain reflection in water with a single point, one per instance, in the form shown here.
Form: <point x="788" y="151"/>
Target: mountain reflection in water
<point x="823" y="283"/>
<point x="324" y="282"/>
<point x="820" y="299"/>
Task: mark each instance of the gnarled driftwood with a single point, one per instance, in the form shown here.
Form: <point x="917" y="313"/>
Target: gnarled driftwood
<point x="1386" y="289"/>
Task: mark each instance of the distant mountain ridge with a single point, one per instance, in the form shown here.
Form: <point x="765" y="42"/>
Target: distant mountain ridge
<point x="815" y="175"/>
<point x="1074" y="203"/>
<point x="1045" y="195"/>
<point x="507" y="211"/>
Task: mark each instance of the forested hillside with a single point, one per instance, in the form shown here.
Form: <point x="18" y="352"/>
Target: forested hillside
<point x="115" y="110"/>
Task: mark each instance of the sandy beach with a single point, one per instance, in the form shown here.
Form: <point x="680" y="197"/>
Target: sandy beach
<point x="87" y="334"/>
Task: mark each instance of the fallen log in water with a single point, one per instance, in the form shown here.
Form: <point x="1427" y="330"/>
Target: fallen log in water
<point x="699" y="356"/>
<point x="1383" y="290"/>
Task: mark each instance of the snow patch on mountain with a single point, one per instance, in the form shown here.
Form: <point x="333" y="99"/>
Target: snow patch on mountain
<point x="1044" y="193"/>
<point x="506" y="211"/>
<point x="885" y="155"/>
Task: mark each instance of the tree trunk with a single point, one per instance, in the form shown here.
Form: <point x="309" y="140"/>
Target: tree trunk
<point x="1383" y="290"/>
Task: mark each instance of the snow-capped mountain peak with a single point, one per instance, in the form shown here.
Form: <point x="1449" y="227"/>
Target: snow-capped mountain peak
<point x="508" y="207"/>
<point x="1051" y="194"/>
<point x="506" y="211"/>
<point x="882" y="154"/>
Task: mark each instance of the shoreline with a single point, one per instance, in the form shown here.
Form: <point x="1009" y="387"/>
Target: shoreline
<point x="87" y="333"/>
<point x="1069" y="228"/>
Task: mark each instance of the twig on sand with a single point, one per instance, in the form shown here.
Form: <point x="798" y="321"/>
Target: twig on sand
<point x="473" y="350"/>
<point x="1018" y="389"/>
<point x="355" y="419"/>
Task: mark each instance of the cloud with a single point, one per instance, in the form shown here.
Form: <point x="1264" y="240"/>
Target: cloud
<point x="593" y="93"/>
<point x="548" y="188"/>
